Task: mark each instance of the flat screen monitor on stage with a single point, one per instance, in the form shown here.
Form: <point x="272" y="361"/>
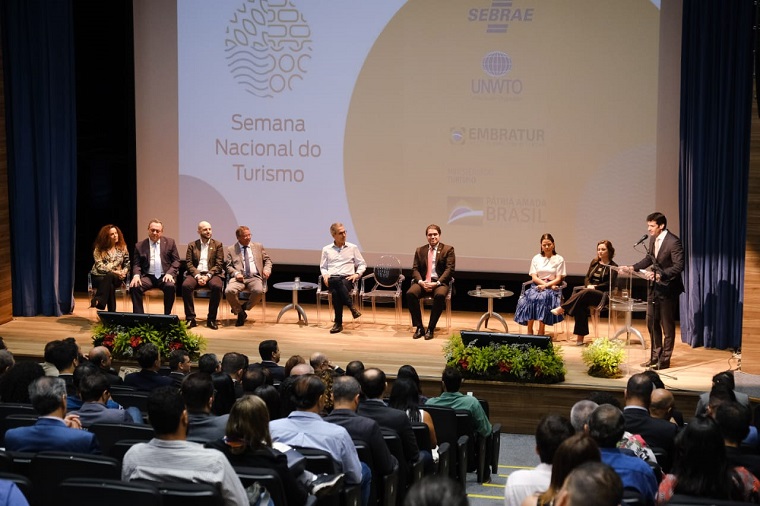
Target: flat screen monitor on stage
<point x="131" y="319"/>
<point x="482" y="339"/>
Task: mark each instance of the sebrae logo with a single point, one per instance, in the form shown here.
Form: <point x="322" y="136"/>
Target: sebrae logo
<point x="267" y="46"/>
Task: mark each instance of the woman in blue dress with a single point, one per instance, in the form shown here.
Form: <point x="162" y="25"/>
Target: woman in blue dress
<point x="547" y="270"/>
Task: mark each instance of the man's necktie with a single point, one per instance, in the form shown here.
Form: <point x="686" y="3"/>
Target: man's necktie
<point x="657" y="244"/>
<point x="429" y="277"/>
<point x="247" y="270"/>
<point x="157" y="257"/>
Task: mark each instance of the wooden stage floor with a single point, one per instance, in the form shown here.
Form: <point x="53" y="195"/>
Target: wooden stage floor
<point x="386" y="345"/>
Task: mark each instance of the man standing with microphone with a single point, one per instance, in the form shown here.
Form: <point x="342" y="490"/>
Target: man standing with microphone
<point x="665" y="256"/>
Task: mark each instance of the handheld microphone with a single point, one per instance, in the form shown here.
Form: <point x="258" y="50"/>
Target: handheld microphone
<point x="643" y="238"/>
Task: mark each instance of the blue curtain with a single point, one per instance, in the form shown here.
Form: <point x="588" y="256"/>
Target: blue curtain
<point x="716" y="102"/>
<point x="38" y="61"/>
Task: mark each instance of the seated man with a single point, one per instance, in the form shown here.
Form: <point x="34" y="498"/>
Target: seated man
<point x="100" y="356"/>
<point x="198" y="394"/>
<point x="205" y="269"/>
<point x="170" y="457"/>
<point x="453" y="398"/>
<point x="147" y="378"/>
<point x="233" y="365"/>
<point x="93" y="390"/>
<point x="248" y="266"/>
<point x="53" y="431"/>
<point x="155" y="264"/>
<point x="341" y="265"/>
<point x="269" y="351"/>
<point x="179" y="366"/>
<point x="591" y="484"/>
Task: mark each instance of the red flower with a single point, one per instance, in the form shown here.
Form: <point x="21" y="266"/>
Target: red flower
<point x="175" y="345"/>
<point x="135" y="341"/>
<point x="464" y="364"/>
<point x="537" y="370"/>
<point x="504" y="367"/>
<point x="108" y="340"/>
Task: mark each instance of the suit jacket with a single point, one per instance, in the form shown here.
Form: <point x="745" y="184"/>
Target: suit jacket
<point x="656" y="432"/>
<point x="445" y="263"/>
<point x="50" y="434"/>
<point x="234" y="259"/>
<point x="215" y="258"/>
<point x="670" y="262"/>
<point x="393" y="419"/>
<point x="95" y="412"/>
<point x="168" y="252"/>
<point x="367" y="430"/>
<point x="147" y="380"/>
<point x="277" y="371"/>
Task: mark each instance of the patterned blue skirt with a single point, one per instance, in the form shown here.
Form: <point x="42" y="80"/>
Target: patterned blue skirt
<point x="537" y="305"/>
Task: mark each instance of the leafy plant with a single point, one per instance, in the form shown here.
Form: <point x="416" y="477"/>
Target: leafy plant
<point x="604" y="358"/>
<point x="124" y="341"/>
<point x="505" y="362"/>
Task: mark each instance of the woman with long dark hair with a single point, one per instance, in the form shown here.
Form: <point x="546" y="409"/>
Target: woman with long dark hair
<point x="596" y="283"/>
<point x="547" y="270"/>
<point x="406" y="397"/>
<point x="111" y="266"/>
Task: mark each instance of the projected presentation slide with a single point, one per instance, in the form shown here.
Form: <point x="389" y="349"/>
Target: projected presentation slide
<point x="497" y="120"/>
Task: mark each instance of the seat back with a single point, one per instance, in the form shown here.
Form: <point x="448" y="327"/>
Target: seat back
<point x="96" y="492"/>
<point x="108" y="434"/>
<point x="267" y="478"/>
<point x="121" y="447"/>
<point x="387" y="271"/>
<point x="19" y="420"/>
<point x="49" y="469"/>
<point x="317" y="461"/>
<point x="13" y="408"/>
<point x="422" y="434"/>
<point x="445" y="422"/>
<point x="189" y="494"/>
<point x="137" y="399"/>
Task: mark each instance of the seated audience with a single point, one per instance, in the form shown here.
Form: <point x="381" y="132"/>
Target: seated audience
<point x="233" y="365"/>
<point x="292" y="362"/>
<point x="54" y="430"/>
<point x="722" y="378"/>
<point x="100" y="357"/>
<point x="733" y="420"/>
<point x="700" y="467"/>
<point x="453" y="398"/>
<point x="170" y="457"/>
<point x="571" y="453"/>
<point x="354" y="368"/>
<point x="638" y="397"/>
<point x="406" y="397"/>
<point x="591" y="484"/>
<point x="93" y="389"/>
<point x="551" y="431"/>
<point x="179" y="366"/>
<point x="271" y="398"/>
<point x="14" y="384"/>
<point x="254" y="377"/>
<point x="662" y="404"/>
<point x="6" y="361"/>
<point x="198" y="394"/>
<point x="147" y="378"/>
<point x="436" y="490"/>
<point x="269" y="351"/>
<point x="47" y="365"/>
<point x="65" y="358"/>
<point x="407" y="371"/>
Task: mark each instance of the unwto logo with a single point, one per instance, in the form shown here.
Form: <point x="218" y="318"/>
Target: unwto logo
<point x="267" y="46"/>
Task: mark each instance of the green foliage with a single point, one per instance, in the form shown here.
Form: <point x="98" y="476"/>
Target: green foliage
<point x="124" y="341"/>
<point x="514" y="362"/>
<point x="604" y="358"/>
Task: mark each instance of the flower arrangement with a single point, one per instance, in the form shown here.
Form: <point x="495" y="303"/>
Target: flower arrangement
<point x="604" y="358"/>
<point x="505" y="362"/>
<point x="124" y="341"/>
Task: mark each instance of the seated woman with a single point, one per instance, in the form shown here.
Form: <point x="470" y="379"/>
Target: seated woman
<point x="547" y="270"/>
<point x="111" y="266"/>
<point x="406" y="397"/>
<point x="597" y="282"/>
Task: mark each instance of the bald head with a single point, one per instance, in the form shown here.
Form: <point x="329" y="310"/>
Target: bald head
<point x="204" y="230"/>
<point x="662" y="404"/>
<point x="100" y="356"/>
<point x="301" y="369"/>
<point x="319" y="361"/>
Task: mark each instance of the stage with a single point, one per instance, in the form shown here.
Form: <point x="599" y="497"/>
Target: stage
<point x="388" y="345"/>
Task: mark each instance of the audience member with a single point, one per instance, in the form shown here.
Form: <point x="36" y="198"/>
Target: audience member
<point x="54" y="430"/>
<point x="700" y="467"/>
<point x="662" y="404"/>
<point x="551" y="431"/>
<point x="453" y="398"/>
<point x="74" y="401"/>
<point x="224" y="387"/>
<point x="233" y="365"/>
<point x="436" y="490"/>
<point x="6" y="361"/>
<point x="170" y="457"/>
<point x="591" y="484"/>
<point x="100" y="357"/>
<point x="269" y="351"/>
<point x="354" y="368"/>
<point x="93" y="389"/>
<point x="675" y="414"/>
<point x="406" y="397"/>
<point x="14" y="384"/>
<point x="606" y="426"/>
<point x="292" y="362"/>
<point x="733" y="420"/>
<point x="571" y="453"/>
<point x="65" y="358"/>
<point x="198" y="394"/>
<point x="656" y="432"/>
<point x="722" y="378"/>
<point x="179" y="366"/>
<point x="408" y="371"/>
<point x="580" y="412"/>
<point x="301" y="369"/>
<point x="47" y="365"/>
<point x="271" y="398"/>
<point x="147" y="378"/>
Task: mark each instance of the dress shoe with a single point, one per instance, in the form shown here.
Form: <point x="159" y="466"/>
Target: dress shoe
<point x="212" y="325"/>
<point x="192" y="323"/>
<point x="419" y="333"/>
<point x="648" y="363"/>
<point x="429" y="335"/>
<point x="242" y="315"/>
<point x="338" y="327"/>
<point x="355" y="313"/>
<point x="660" y="366"/>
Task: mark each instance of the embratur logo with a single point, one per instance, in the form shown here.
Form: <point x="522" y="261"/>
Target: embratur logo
<point x="267" y="46"/>
<point x="498" y="16"/>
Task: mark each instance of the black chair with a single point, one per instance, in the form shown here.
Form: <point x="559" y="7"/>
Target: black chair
<point x="6" y="462"/>
<point x="189" y="494"/>
<point x="96" y="492"/>
<point x="21" y="462"/>
<point x="121" y="447"/>
<point x="476" y="449"/>
<point x="49" y="469"/>
<point x="445" y="421"/>
<point x="9" y="408"/>
<point x="109" y="433"/>
<point x="19" y="420"/>
<point x="269" y="479"/>
<point x="23" y="483"/>
<point x="663" y="459"/>
<point x="321" y="462"/>
<point x="127" y="399"/>
<point x="384" y="488"/>
<point x="422" y="434"/>
<point x="690" y="500"/>
<point x="121" y="388"/>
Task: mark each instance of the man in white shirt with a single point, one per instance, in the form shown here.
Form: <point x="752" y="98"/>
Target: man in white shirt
<point x="342" y="264"/>
<point x="551" y="431"/>
<point x="205" y="269"/>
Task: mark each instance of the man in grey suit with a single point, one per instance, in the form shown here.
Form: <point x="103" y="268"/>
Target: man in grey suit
<point x="155" y="264"/>
<point x="248" y="266"/>
<point x="665" y="256"/>
<point x="205" y="269"/>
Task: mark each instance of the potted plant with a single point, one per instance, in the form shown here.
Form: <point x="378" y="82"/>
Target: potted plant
<point x="604" y="358"/>
<point x="124" y="341"/>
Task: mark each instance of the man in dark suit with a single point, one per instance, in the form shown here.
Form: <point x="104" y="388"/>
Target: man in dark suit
<point x="100" y="357"/>
<point x="54" y="431"/>
<point x="205" y="269"/>
<point x="179" y="366"/>
<point x="656" y="432"/>
<point x="373" y="385"/>
<point x="433" y="268"/>
<point x="248" y="266"/>
<point x="665" y="256"/>
<point x="269" y="351"/>
<point x="155" y="264"/>
<point x="147" y="378"/>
